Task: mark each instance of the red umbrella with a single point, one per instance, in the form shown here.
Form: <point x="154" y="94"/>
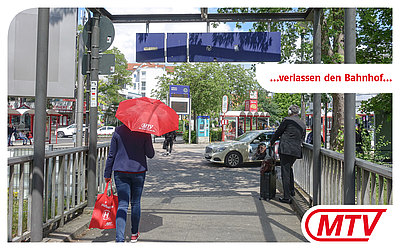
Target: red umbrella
<point x="147" y="115"/>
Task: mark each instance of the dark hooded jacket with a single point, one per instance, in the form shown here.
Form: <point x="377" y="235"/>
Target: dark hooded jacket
<point x="291" y="132"/>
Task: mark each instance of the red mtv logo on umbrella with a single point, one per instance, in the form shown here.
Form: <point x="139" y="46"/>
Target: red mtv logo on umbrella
<point x="148" y="116"/>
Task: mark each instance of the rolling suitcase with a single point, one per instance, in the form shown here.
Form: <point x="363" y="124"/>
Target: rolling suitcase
<point x="268" y="176"/>
<point x="268" y="185"/>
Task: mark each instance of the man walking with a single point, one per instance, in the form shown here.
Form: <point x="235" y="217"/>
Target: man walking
<point x="169" y="141"/>
<point x="291" y="132"/>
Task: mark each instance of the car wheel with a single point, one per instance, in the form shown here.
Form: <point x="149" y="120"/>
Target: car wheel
<point x="60" y="134"/>
<point x="233" y="159"/>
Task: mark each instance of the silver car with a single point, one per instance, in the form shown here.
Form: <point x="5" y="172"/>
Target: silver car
<point x="241" y="150"/>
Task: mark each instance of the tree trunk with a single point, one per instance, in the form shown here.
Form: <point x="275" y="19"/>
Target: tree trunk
<point x="333" y="52"/>
<point x="338" y="122"/>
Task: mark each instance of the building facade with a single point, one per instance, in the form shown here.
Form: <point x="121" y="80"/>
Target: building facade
<point x="144" y="79"/>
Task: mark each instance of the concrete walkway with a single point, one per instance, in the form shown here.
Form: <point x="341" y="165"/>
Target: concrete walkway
<point x="188" y="199"/>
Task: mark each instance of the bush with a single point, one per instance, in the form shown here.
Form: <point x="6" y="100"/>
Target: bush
<point x="192" y="135"/>
<point x="216" y="134"/>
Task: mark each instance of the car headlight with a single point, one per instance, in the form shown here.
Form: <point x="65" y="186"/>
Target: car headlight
<point x="218" y="149"/>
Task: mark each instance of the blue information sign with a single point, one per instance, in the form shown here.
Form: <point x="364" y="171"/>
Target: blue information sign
<point x="176" y="47"/>
<point x="150" y="47"/>
<point x="209" y="47"/>
<point x="235" y="47"/>
<point x="179" y="91"/>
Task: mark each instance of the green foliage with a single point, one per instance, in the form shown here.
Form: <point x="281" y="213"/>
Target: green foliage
<point x="380" y="103"/>
<point x="284" y="100"/>
<point x="268" y="104"/>
<point x="374" y="34"/>
<point x="216" y="134"/>
<point x="193" y="137"/>
<point x="290" y="32"/>
<point x="108" y="90"/>
<point x="374" y="40"/>
<point x="370" y="153"/>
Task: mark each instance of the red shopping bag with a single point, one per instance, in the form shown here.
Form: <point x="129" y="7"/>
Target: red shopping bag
<point x="105" y="210"/>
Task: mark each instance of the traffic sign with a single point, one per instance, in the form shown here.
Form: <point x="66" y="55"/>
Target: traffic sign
<point x="106" y="64"/>
<point x="106" y="30"/>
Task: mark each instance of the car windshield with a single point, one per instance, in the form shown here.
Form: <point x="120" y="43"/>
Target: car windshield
<point x="247" y="137"/>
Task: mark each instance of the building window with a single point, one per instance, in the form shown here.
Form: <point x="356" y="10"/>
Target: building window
<point x="134" y="86"/>
<point x="143" y="73"/>
<point x="143" y="94"/>
<point x="143" y="86"/>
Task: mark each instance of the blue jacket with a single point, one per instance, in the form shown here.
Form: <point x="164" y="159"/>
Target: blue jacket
<point x="128" y="151"/>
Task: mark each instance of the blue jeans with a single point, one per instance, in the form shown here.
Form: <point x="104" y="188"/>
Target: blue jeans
<point x="129" y="188"/>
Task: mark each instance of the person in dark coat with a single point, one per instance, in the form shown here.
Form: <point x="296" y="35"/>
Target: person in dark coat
<point x="169" y="141"/>
<point x="291" y="132"/>
<point x="127" y="158"/>
<point x="310" y="138"/>
<point x="11" y="130"/>
<point x="359" y="141"/>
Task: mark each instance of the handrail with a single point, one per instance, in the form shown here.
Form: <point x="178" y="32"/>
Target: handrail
<point x="64" y="176"/>
<point x="373" y="181"/>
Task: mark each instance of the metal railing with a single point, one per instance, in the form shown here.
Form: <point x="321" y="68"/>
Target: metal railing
<point x="373" y="182"/>
<point x="65" y="188"/>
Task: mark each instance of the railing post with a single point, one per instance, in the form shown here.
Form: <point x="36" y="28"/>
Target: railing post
<point x="349" y="110"/>
<point x="40" y="123"/>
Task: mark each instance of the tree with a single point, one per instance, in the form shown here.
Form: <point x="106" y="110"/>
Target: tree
<point x="381" y="103"/>
<point x="109" y="89"/>
<point x="374" y="42"/>
<point x="208" y="83"/>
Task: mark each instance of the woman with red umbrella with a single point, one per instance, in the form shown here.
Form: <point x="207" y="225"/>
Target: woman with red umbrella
<point x="130" y="145"/>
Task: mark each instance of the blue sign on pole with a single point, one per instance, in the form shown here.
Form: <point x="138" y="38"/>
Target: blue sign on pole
<point x="179" y="91"/>
<point x="235" y="47"/>
<point x="177" y="47"/>
<point x="150" y="47"/>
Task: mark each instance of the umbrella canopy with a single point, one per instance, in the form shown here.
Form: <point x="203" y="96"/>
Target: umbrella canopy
<point x="147" y="115"/>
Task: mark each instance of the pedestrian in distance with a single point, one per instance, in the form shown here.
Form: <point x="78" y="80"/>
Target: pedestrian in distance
<point x="11" y="130"/>
<point x="291" y="132"/>
<point x="359" y="139"/>
<point x="127" y="159"/>
<point x="29" y="136"/>
<point x="22" y="136"/>
<point x="169" y="139"/>
<point x="310" y="138"/>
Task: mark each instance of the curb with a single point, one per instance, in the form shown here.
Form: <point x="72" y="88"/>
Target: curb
<point x="71" y="229"/>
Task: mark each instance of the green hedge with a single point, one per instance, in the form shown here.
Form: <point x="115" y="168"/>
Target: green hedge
<point x="185" y="136"/>
<point x="215" y="134"/>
